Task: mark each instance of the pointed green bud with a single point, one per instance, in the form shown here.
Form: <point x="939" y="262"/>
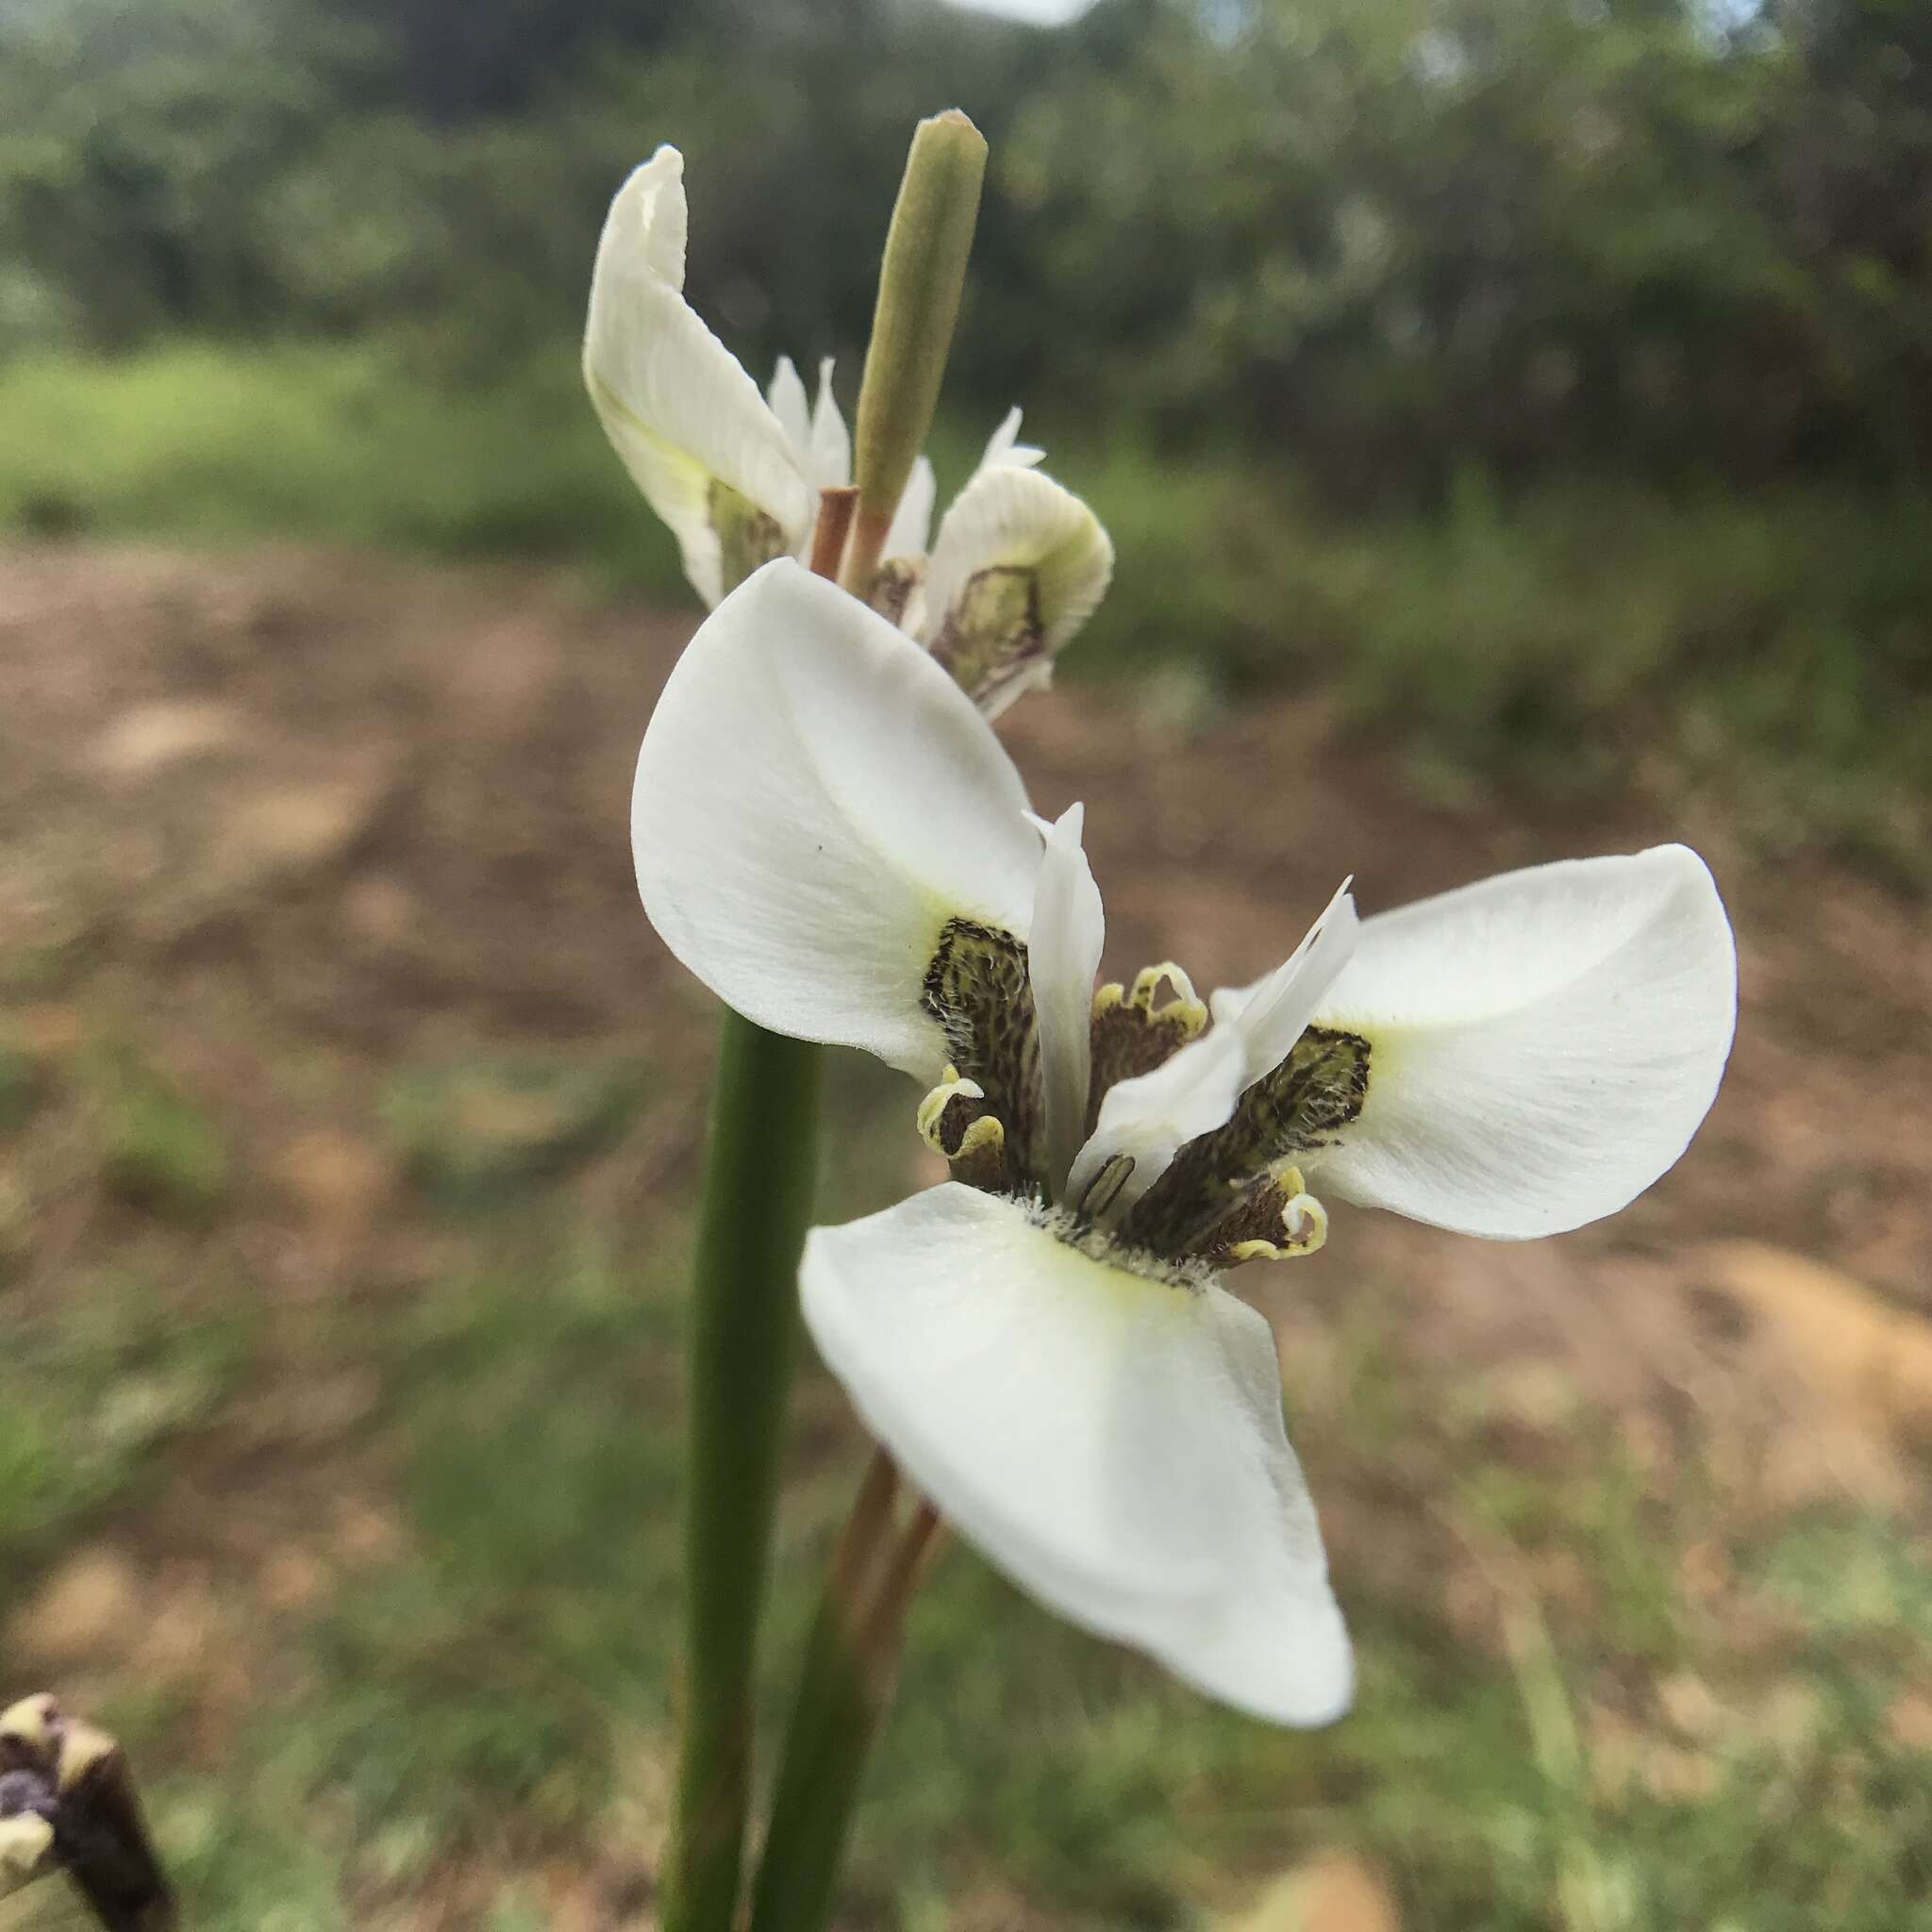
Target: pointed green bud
<point x="921" y="279"/>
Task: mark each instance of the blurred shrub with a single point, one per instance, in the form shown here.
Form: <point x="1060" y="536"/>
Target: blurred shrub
<point x="1388" y="237"/>
<point x="1376" y="238"/>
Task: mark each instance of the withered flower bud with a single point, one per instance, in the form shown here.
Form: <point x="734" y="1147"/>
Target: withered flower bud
<point x="68" y="1804"/>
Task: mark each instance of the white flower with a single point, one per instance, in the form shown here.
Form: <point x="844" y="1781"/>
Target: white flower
<point x="829" y="835"/>
<point x="1019" y="564"/>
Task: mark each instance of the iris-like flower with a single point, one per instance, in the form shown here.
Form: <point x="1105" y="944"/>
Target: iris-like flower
<point x="1019" y="564"/>
<point x="828" y="834"/>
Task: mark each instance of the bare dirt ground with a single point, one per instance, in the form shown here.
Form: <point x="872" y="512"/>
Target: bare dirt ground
<point x="305" y="810"/>
<point x="386" y="799"/>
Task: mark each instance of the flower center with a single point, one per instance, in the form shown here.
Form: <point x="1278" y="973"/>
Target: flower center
<point x="1231" y="1195"/>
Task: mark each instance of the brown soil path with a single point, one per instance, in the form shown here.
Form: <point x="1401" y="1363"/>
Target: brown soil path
<point x="361" y="804"/>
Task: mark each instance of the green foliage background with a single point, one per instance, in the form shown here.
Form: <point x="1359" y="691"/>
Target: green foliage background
<point x="1535" y="374"/>
<point x="1547" y="383"/>
<point x="1683" y="237"/>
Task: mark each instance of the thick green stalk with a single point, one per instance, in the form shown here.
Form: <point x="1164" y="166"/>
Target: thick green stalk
<point x="921" y="279"/>
<point x="757" y="1195"/>
<point x="854" y="1647"/>
<point x="850" y="1661"/>
<point x="759" y="1167"/>
<point x="833" y="1725"/>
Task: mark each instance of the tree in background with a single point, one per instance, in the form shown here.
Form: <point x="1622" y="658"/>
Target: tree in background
<point x="1392" y="237"/>
<point x="1397" y="237"/>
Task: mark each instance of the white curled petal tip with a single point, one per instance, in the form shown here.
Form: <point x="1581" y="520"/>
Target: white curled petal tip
<point x="1113" y="1443"/>
<point x="1305" y="1221"/>
<point x="701" y="443"/>
<point x="1004" y="446"/>
<point x="1304" y="1231"/>
<point x="952" y="1086"/>
<point x="1018" y="520"/>
<point x="1542" y="1044"/>
<point x="815" y="799"/>
<point x="648" y="219"/>
<point x="831" y="441"/>
<point x="1272" y="1013"/>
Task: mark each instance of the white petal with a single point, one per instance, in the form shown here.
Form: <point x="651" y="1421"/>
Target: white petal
<point x="1062" y="957"/>
<point x="1153" y="1116"/>
<point x="675" y="402"/>
<point x="1004" y="445"/>
<point x="1272" y="1015"/>
<point x="1114" y="1444"/>
<point x="1016" y="520"/>
<point x="831" y="441"/>
<point x="1543" y="1044"/>
<point x="657" y="214"/>
<point x="786" y="397"/>
<point x="815" y="798"/>
<point x="912" y="526"/>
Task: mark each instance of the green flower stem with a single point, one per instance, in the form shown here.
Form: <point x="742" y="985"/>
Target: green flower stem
<point x="853" y="1646"/>
<point x="759" y="1169"/>
<point x="757" y="1197"/>
<point x="760" y="1164"/>
<point x="921" y="279"/>
<point x="850" y="1662"/>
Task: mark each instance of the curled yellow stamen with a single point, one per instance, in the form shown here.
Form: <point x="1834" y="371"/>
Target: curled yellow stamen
<point x="1304" y="1221"/>
<point x="932" y="1109"/>
<point x="973" y="1143"/>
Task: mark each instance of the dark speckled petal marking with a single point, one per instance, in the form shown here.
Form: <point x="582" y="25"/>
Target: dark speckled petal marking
<point x="1315" y="1092"/>
<point x="1134" y="1032"/>
<point x="890" y="590"/>
<point x="747" y="538"/>
<point x="994" y="633"/>
<point x="977" y="988"/>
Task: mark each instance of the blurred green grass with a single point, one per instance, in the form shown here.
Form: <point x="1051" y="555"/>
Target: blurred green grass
<point x="474" y="1708"/>
<point x="1772" y="653"/>
<point x="486" y="1699"/>
<point x="91" y="1395"/>
<point x="490" y="1702"/>
<point x="155" y="1148"/>
<point x="329" y="444"/>
<point x="1554" y="1730"/>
